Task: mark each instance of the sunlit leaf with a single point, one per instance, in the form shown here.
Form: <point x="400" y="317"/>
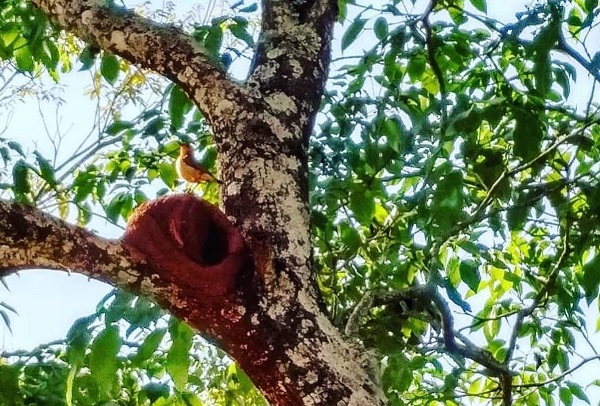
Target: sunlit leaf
<point x="103" y="359"/>
<point x="149" y="346"/>
<point x="178" y="361"/>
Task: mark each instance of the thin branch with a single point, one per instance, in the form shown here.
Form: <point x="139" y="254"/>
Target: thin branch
<point x="564" y="47"/>
<point x="561" y="376"/>
<point x="527" y="311"/>
<point x="431" y="48"/>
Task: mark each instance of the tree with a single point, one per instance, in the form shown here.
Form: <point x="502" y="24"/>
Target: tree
<point x="448" y="187"/>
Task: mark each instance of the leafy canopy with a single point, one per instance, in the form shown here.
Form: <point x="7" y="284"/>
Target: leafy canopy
<point x="450" y="155"/>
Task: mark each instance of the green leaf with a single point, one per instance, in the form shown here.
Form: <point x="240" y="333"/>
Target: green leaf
<point x="456" y="297"/>
<point x="562" y="79"/>
<point x="21" y="179"/>
<point x="179" y="106"/>
<point x="5" y="154"/>
<point x="178" y="359"/>
<point x="88" y="57"/>
<point x="397" y="375"/>
<point x="528" y="135"/>
<point x="240" y="31"/>
<point x="78" y="338"/>
<point x="213" y="40"/>
<point x="103" y="359"/>
<point x="457" y="13"/>
<point x="542" y="45"/>
<point x="109" y="68"/>
<point x="191" y="399"/>
<point x="362" y="204"/>
<point x="590" y="5"/>
<point x="392" y="129"/>
<point x="149" y="346"/>
<point x="480" y="5"/>
<point x="566" y="396"/>
<point x="69" y="385"/>
<point x="154" y="391"/>
<point x="381" y="28"/>
<point x="24" y="58"/>
<point x="46" y="169"/>
<point x="448" y="201"/>
<point x="9" y="382"/>
<point x="249" y="9"/>
<point x="416" y="67"/>
<point x="84" y="214"/>
<point x="167" y="173"/>
<point x="591" y="278"/>
<point x="516" y="217"/>
<point x="5" y="318"/>
<point x="467" y="121"/>
<point x="118" y="126"/>
<point x="342" y="6"/>
<point x="542" y="72"/>
<point x="153" y="127"/>
<point x="352" y="32"/>
<point x="350" y="237"/>
<point x="469" y="273"/>
<point x="15" y="146"/>
<point x="117" y="206"/>
<point x="578" y="392"/>
<point x="10" y="34"/>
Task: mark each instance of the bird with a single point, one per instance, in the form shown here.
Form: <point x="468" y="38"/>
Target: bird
<point x="189" y="169"/>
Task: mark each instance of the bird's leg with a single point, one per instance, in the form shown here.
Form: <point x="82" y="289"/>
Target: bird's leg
<point x="191" y="188"/>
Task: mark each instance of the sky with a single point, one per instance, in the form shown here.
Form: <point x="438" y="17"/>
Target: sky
<point x="48" y="302"/>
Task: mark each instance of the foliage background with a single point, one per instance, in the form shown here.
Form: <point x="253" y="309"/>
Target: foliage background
<point x="479" y="176"/>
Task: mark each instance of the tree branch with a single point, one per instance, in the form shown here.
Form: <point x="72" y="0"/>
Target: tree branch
<point x="429" y="296"/>
<point x="560" y="376"/>
<point x="30" y="238"/>
<point x="177" y="241"/>
<point x="164" y="49"/>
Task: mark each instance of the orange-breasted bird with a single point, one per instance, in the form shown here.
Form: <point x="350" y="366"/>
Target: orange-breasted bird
<point x="189" y="169"/>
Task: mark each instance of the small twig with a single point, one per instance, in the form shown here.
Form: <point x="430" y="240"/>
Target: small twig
<point x="559" y="377"/>
<point x="564" y="47"/>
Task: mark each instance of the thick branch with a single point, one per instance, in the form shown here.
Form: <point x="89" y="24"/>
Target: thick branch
<point x="30" y="238"/>
<point x="429" y="296"/>
<point x="162" y="48"/>
<point x="292" y="59"/>
<point x="179" y="241"/>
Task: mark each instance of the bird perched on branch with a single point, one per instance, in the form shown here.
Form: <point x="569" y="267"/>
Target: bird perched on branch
<point x="189" y="169"/>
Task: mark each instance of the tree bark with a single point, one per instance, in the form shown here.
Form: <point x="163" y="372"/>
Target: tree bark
<point x="269" y="319"/>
